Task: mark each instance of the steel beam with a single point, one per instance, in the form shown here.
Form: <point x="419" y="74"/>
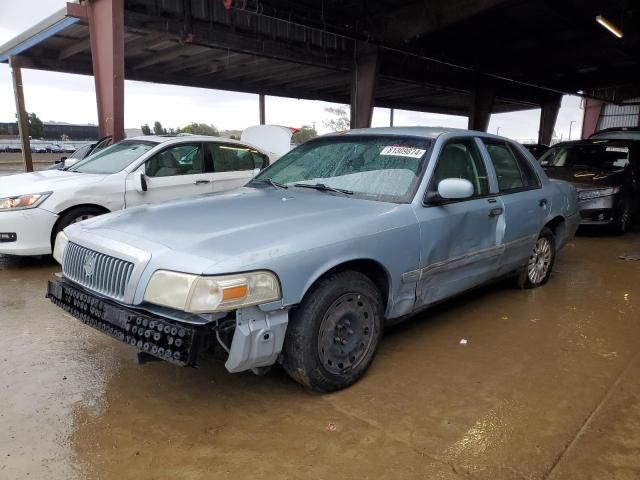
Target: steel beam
<point x="106" y="31"/>
<point x="590" y="117"/>
<point x="548" y="117"/>
<point x="363" y="84"/>
<point x="23" y="120"/>
<point x="483" y="97"/>
<point x="261" y="107"/>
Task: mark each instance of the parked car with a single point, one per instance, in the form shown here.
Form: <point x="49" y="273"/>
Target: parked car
<point x="308" y="262"/>
<point x="38" y="148"/>
<point x="34" y="207"/>
<point x="617" y="133"/>
<point x="606" y="173"/>
<point x="54" y="148"/>
<point x="536" y="149"/>
<point x="68" y="148"/>
<point x="81" y="153"/>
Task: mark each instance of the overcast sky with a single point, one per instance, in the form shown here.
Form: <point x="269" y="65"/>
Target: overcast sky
<point x="71" y="98"/>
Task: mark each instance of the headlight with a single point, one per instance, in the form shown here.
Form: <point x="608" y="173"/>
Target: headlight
<point x="60" y="246"/>
<point x="22" y="202"/>
<point x="600" y="192"/>
<point x="199" y="294"/>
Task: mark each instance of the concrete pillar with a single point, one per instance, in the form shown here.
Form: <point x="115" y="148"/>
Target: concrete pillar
<point x="590" y="117"/>
<point x="23" y="121"/>
<point x="106" y="35"/>
<point x="391" y="114"/>
<point x="363" y="86"/>
<point x="548" y="117"/>
<point x="482" y="98"/>
<point x="263" y="110"/>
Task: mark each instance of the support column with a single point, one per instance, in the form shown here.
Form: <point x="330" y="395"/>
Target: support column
<point x="23" y="120"/>
<point x="548" y="117"/>
<point x="106" y="32"/>
<point x="391" y="114"/>
<point x="363" y="86"/>
<point x="590" y="117"/>
<point x="482" y="98"/>
<point x="263" y="110"/>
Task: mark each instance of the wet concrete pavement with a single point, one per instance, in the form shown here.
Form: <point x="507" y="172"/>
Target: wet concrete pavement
<point x="547" y="386"/>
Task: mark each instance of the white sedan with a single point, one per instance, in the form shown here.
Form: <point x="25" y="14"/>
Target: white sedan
<point x="34" y="207"/>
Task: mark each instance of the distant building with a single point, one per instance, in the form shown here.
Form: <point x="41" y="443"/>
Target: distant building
<point x="54" y="131"/>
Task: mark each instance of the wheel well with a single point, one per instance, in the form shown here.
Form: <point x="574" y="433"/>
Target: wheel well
<point x="372" y="269"/>
<point x="557" y="226"/>
<point x="64" y="212"/>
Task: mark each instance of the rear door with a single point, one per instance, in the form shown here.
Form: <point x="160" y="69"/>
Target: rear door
<point x="525" y="205"/>
<point x="178" y="171"/>
<point x="234" y="164"/>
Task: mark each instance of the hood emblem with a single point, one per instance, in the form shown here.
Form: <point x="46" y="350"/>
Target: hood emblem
<point x="89" y="265"/>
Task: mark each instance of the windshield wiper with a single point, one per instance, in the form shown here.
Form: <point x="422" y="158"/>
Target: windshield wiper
<point x="271" y="182"/>
<point x="323" y="188"/>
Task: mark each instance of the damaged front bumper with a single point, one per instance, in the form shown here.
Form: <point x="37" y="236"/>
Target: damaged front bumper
<point x="257" y="336"/>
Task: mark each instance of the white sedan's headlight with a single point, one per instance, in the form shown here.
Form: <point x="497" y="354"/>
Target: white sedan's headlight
<point x="22" y="202"/>
<point x="60" y="246"/>
<point x="200" y="294"/>
<point x="597" y="193"/>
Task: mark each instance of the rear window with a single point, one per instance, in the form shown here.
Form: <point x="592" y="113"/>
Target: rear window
<point x="591" y="156"/>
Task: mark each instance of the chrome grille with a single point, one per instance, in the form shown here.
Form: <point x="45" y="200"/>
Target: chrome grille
<point x="96" y="271"/>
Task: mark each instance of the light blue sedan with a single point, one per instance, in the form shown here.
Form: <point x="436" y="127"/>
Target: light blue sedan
<point x="307" y="263"/>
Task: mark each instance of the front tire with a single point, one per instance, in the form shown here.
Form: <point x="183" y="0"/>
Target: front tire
<point x="540" y="264"/>
<point x="74" y="215"/>
<point x="334" y="333"/>
<point x="622" y="219"/>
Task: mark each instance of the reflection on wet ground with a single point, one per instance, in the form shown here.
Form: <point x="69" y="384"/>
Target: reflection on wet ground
<point x="547" y="386"/>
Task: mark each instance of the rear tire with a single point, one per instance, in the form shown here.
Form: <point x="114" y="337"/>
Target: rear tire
<point x="622" y="219"/>
<point x="540" y="264"/>
<point x="333" y="334"/>
<point x="74" y="215"/>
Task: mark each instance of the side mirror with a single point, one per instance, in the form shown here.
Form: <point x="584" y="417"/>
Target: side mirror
<point x="62" y="159"/>
<point x="256" y="171"/>
<point x="452" y="189"/>
<point x="140" y="181"/>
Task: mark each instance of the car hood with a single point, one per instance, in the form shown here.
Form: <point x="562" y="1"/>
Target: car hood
<point x="242" y="228"/>
<point x="45" y="181"/>
<point x="586" y="179"/>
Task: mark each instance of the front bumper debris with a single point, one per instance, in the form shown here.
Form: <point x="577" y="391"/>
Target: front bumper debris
<point x="165" y="339"/>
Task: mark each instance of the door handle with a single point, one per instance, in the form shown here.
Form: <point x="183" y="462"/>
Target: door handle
<point x="494" y="212"/>
<point x="543" y="202"/>
<point x="202" y="182"/>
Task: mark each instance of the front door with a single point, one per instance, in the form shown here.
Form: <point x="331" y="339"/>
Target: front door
<point x="178" y="171"/>
<point x="460" y="245"/>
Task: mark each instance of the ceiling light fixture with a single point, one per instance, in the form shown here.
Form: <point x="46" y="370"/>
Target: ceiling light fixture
<point x="609" y="26"/>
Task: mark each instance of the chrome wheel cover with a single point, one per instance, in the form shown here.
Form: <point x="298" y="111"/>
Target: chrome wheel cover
<point x="540" y="261"/>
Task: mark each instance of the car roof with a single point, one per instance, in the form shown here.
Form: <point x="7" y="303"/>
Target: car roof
<point x="596" y="141"/>
<point x="426" y="132"/>
<point x="176" y="139"/>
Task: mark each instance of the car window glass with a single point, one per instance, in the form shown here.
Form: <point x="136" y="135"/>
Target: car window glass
<point x="384" y="168"/>
<point x="587" y="156"/>
<point x="461" y="159"/>
<point x="235" y="158"/>
<point x="183" y="159"/>
<point x="505" y="165"/>
<point x="115" y="158"/>
<point x="529" y="177"/>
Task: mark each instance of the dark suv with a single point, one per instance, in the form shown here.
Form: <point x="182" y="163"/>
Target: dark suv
<point x="606" y="174"/>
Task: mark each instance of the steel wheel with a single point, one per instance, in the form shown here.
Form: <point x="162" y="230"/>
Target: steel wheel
<point x="346" y="333"/>
<point x="540" y="261"/>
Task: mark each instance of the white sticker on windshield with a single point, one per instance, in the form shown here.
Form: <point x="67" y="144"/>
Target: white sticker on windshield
<point x="399" y="151"/>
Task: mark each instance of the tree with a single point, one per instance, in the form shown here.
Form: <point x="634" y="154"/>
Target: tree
<point x="201" y="129"/>
<point x="157" y="128"/>
<point x="146" y="130"/>
<point x="305" y="133"/>
<point x="36" y="128"/>
<point x="339" y="119"/>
